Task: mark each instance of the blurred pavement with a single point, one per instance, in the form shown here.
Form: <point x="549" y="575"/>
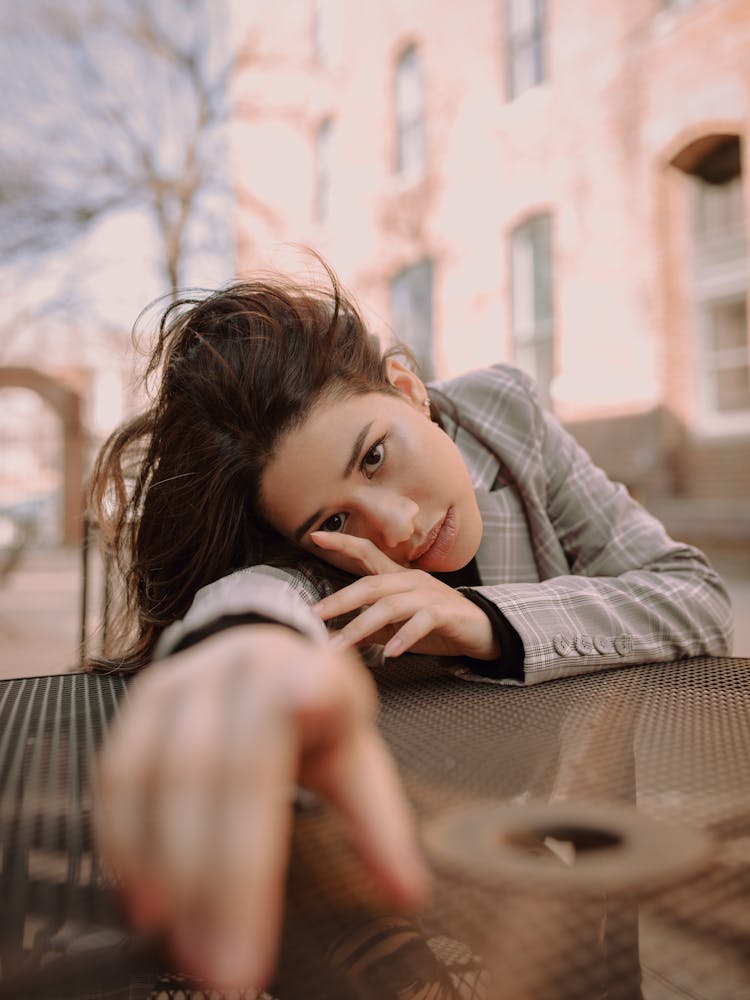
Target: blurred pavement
<point x="40" y="610"/>
<point x="40" y="614"/>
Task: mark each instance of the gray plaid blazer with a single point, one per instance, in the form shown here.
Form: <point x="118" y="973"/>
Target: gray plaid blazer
<point x="587" y="577"/>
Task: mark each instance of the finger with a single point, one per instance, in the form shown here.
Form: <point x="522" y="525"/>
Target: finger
<point x="345" y="759"/>
<point x="229" y="937"/>
<point x="387" y="612"/>
<point x="367" y="556"/>
<point x="230" y="934"/>
<point x="364" y="591"/>
<point x="362" y="782"/>
<point x="421" y="625"/>
<point x="180" y="799"/>
<point x="125" y="772"/>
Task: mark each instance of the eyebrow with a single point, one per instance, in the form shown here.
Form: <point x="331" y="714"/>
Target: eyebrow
<point x="356" y="449"/>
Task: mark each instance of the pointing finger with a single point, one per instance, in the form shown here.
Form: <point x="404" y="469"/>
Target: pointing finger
<point x="366" y="554"/>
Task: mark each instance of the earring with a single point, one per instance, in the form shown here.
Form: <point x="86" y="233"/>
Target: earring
<point x="426" y="403"/>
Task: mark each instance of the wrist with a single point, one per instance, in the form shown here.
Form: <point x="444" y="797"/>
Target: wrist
<point x="490" y="649"/>
<point x="510" y="660"/>
<point x="486" y="645"/>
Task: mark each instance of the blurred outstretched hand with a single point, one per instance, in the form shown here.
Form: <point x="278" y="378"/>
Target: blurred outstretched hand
<point x="196" y="788"/>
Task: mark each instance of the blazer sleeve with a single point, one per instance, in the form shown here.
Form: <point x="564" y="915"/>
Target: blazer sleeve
<point x="633" y="595"/>
<point x="255" y="594"/>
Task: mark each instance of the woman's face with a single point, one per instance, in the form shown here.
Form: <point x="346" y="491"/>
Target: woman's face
<point x="376" y="466"/>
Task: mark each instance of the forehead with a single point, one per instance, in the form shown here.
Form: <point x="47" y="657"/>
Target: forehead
<point x="310" y="460"/>
<point x="330" y="425"/>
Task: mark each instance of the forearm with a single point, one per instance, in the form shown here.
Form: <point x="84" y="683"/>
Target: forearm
<point x="672" y="608"/>
<point x="255" y="595"/>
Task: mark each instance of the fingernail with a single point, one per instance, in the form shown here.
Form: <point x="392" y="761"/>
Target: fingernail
<point x="393" y="647"/>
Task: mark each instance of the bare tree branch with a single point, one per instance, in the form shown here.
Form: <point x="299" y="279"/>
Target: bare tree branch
<point x="127" y="111"/>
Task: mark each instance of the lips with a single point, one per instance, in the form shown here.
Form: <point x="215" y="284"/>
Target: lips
<point x="438" y="543"/>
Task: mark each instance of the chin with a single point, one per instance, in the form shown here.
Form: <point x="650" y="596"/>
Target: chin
<point x="457" y="563"/>
<point x="460" y="557"/>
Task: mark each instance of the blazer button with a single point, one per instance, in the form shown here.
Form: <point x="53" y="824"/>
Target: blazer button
<point x="623" y="644"/>
<point x="604" y="645"/>
<point x="585" y="645"/>
<point x="563" y="645"/>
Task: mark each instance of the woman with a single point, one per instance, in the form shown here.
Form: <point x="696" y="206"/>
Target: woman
<point x="289" y="475"/>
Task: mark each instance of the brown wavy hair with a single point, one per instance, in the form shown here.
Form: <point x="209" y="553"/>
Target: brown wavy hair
<point x="176" y="490"/>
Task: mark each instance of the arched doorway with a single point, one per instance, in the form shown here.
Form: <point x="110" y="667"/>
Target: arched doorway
<point x="66" y="403"/>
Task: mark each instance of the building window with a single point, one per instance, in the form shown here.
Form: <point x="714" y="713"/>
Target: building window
<point x="532" y="303"/>
<point x="410" y="123"/>
<point x="323" y="143"/>
<point x="525" y="27"/>
<point x="321" y="32"/>
<point x="720" y="283"/>
<point x="411" y="312"/>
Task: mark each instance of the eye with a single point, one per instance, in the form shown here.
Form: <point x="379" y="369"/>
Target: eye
<point x="335" y="522"/>
<point x="373" y="459"/>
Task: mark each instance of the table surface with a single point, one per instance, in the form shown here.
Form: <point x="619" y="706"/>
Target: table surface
<point x="589" y="837"/>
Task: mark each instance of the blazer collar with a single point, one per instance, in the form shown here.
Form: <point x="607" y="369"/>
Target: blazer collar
<point x="483" y="464"/>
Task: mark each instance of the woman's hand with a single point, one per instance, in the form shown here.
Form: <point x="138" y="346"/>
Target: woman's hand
<point x="406" y="608"/>
<point x="196" y="786"/>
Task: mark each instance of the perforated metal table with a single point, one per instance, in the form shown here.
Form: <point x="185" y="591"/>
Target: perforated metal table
<point x="589" y="837"/>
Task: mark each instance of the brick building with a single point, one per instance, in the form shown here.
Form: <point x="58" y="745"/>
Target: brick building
<point x="557" y="184"/>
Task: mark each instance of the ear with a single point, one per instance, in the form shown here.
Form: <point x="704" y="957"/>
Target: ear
<point x="407" y="383"/>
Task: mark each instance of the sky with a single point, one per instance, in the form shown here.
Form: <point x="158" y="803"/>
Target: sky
<point x="63" y="106"/>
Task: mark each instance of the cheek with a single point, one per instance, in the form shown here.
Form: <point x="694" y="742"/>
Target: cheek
<point x="450" y="463"/>
<point x="439" y="453"/>
<point x="470" y="532"/>
<point x="459" y="481"/>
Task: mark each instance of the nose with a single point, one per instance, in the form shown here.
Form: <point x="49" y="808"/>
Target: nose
<point x="395" y="517"/>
